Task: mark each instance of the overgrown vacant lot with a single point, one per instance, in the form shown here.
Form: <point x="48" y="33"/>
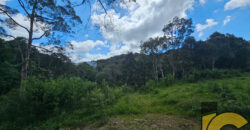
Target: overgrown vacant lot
<point x="162" y="107"/>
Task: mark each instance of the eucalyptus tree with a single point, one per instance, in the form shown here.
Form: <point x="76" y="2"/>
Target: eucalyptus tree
<point x="153" y="47"/>
<point x="175" y="33"/>
<point x="46" y="16"/>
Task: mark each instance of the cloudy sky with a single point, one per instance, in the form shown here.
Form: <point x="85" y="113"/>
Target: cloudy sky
<point x="118" y="32"/>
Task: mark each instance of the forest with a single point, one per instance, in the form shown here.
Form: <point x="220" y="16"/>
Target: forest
<point x="56" y="87"/>
<point x="171" y="75"/>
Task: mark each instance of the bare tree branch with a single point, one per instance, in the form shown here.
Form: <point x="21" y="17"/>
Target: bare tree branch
<point x="22" y="5"/>
<point x="37" y="38"/>
<point x="103" y="6"/>
<point x="42" y="17"/>
<point x="83" y="1"/>
<point x="90" y="10"/>
<point x="5" y="12"/>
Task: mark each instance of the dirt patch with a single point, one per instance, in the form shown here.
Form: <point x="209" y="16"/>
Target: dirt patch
<point x="146" y="122"/>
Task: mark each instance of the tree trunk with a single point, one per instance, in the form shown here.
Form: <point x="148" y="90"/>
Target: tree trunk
<point x="162" y="73"/>
<point x="25" y="63"/>
<point x="213" y="64"/>
<point x="172" y="63"/>
<point x="155" y="67"/>
<point x="173" y="72"/>
<point x="155" y="71"/>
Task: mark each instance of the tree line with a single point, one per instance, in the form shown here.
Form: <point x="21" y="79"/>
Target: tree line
<point x="176" y="54"/>
<point x="219" y="51"/>
<point x="57" y="88"/>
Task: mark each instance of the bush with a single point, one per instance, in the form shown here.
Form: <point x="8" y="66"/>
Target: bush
<point x="43" y="99"/>
<point x="149" y="86"/>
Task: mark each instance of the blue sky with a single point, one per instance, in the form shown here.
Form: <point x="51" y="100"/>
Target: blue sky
<point x="122" y="30"/>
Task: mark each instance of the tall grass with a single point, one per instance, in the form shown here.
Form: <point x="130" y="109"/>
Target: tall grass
<point x="56" y="103"/>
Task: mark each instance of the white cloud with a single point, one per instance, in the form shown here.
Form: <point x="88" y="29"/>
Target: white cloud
<point x="227" y="19"/>
<point x="201" y="27"/>
<point x="233" y="4"/>
<point x="82" y="48"/>
<point x="85" y="46"/>
<point x="216" y="11"/>
<point x="3" y="2"/>
<point x="76" y="56"/>
<point x="24" y="21"/>
<point x="94" y="57"/>
<point x="202" y="2"/>
<point x="144" y="19"/>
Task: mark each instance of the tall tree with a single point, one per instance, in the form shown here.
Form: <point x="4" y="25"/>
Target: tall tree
<point x="176" y="31"/>
<point x="152" y="47"/>
<point x="57" y="16"/>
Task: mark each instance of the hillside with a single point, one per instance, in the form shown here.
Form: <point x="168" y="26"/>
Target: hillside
<point x="176" y="106"/>
<point x="162" y="87"/>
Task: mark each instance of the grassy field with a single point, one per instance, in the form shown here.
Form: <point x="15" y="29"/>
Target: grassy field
<point x="185" y="98"/>
<point x="231" y="94"/>
<point x="180" y="102"/>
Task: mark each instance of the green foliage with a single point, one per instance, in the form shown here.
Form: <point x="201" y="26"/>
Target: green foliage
<point x="59" y="93"/>
<point x="231" y="94"/>
<point x="211" y="74"/>
<point x="9" y="74"/>
<point x="85" y="71"/>
<point x="166" y="81"/>
<point x="44" y="99"/>
<point x="149" y="86"/>
<point x="220" y="56"/>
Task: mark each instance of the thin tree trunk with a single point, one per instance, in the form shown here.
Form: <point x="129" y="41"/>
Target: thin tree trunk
<point x="172" y="64"/>
<point x="25" y="64"/>
<point x="162" y="73"/>
<point x="155" y="67"/>
<point x="213" y="64"/>
<point x="173" y="71"/>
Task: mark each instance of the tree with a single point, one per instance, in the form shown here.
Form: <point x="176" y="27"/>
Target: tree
<point x="57" y="16"/>
<point x="152" y="47"/>
<point x="86" y="72"/>
<point x="176" y="31"/>
<point x="128" y="68"/>
<point x="185" y="57"/>
<point x="8" y="71"/>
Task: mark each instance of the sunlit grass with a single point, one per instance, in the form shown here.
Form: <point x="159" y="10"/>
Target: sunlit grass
<point x="185" y="99"/>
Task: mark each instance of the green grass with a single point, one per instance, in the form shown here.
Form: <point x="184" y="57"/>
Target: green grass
<point x="184" y="98"/>
<point x="231" y="94"/>
<point x="179" y="99"/>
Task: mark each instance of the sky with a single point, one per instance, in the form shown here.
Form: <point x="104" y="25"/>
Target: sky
<point x="123" y="30"/>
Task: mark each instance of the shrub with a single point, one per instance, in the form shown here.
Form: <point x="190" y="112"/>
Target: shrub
<point x="43" y="99"/>
<point x="149" y="86"/>
<point x="166" y="81"/>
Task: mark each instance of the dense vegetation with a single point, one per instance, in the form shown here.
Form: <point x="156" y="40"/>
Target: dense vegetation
<point x="161" y="80"/>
